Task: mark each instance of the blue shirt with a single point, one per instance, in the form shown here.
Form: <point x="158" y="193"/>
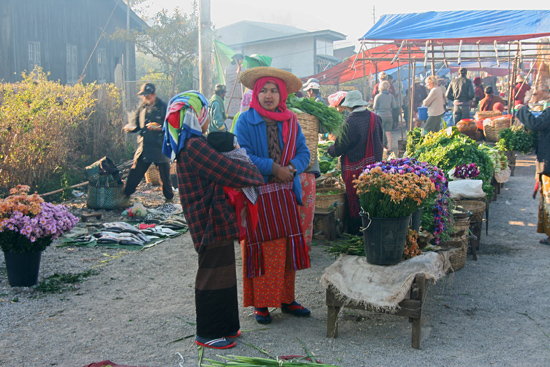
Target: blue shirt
<point x="251" y="131"/>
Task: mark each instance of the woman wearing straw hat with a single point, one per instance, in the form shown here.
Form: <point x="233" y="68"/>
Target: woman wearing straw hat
<point x="202" y="175"/>
<point x="273" y="139"/>
<point x="360" y="145"/>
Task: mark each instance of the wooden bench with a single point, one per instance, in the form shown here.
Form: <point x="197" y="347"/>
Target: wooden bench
<point x="411" y="308"/>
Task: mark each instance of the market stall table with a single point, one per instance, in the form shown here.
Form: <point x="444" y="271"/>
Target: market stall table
<point x="399" y="289"/>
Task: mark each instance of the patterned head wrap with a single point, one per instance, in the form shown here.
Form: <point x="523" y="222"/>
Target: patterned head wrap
<point x="187" y="113"/>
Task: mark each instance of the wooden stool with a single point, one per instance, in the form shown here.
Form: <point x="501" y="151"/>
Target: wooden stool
<point x="411" y="308"/>
<point x="329" y="222"/>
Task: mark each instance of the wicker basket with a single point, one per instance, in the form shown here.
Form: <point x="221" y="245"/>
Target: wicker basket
<point x="310" y="128"/>
<point x="458" y="256"/>
<point x="477" y="207"/>
<point x="482" y="115"/>
<point x="491" y="127"/>
<point x="461" y="227"/>
<point x="326" y="200"/>
<point x="152" y="176"/>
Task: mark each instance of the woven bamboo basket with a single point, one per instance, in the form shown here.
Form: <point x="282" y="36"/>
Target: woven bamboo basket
<point x="458" y="256"/>
<point x="310" y="128"/>
<point x="324" y="201"/>
<point x="491" y="128"/>
<point x="477" y="207"/>
<point x="461" y="227"/>
<point x="152" y="176"/>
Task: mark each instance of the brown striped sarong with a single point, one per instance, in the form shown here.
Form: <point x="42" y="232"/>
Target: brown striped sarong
<point x="216" y="291"/>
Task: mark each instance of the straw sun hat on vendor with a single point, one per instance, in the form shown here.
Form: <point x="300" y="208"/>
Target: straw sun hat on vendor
<point x="249" y="77"/>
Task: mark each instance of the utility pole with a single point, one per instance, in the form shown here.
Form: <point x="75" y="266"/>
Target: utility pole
<point x="126" y="59"/>
<point x="205" y="48"/>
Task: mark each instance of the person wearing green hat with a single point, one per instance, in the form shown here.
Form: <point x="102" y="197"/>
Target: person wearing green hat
<point x="216" y="111"/>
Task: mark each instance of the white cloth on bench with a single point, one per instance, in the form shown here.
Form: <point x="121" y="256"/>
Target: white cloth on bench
<point x="377" y="286"/>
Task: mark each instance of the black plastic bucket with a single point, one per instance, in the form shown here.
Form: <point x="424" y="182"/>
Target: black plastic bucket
<point x="22" y="268"/>
<point x="384" y="239"/>
<point x="415" y="219"/>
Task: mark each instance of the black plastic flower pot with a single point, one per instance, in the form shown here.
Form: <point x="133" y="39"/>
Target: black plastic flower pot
<point x="384" y="239"/>
<point x="22" y="268"/>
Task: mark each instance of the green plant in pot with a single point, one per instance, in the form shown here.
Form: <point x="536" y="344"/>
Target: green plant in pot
<point x="28" y="225"/>
<point x="387" y="200"/>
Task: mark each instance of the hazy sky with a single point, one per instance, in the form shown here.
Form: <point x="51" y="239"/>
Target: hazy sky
<point x="354" y="18"/>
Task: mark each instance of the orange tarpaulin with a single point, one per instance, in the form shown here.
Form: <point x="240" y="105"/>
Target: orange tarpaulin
<point x="368" y="62"/>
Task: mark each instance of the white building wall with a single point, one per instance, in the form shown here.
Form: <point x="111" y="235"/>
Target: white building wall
<point x="296" y="56"/>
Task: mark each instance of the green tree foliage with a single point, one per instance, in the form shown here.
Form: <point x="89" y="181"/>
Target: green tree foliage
<point x="173" y="40"/>
<point x="49" y="132"/>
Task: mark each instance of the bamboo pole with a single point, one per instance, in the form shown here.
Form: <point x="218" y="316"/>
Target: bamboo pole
<point x="412" y="94"/>
<point x="433" y="57"/>
<point x="409" y="122"/>
<point x="399" y="96"/>
<point x="510" y="89"/>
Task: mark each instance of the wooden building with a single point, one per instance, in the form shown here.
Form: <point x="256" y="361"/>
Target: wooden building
<point x="67" y="38"/>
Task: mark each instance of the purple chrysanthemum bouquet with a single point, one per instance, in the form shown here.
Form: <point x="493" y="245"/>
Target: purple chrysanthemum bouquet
<point x="438" y="220"/>
<point x="29" y="224"/>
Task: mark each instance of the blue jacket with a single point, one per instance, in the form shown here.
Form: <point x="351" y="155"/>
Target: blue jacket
<point x="251" y="134"/>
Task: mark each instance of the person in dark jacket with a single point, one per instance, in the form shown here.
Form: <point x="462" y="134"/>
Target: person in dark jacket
<point x="461" y="92"/>
<point x="542" y="125"/>
<point x="360" y="145"/>
<point x="147" y="122"/>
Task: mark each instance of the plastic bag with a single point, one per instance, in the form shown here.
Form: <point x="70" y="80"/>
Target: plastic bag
<point x="466" y="189"/>
<point x="503" y="176"/>
<point x="137" y="210"/>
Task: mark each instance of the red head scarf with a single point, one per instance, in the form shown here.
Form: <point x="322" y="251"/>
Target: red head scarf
<point x="281" y="113"/>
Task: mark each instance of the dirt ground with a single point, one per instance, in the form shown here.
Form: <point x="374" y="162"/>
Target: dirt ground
<point x="138" y="309"/>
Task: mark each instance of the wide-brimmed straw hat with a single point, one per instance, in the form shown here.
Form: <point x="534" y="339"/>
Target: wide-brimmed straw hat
<point x="249" y="77"/>
<point x="354" y="98"/>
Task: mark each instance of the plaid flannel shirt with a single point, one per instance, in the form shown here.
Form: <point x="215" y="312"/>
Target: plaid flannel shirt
<point x="354" y="141"/>
<point x="202" y="174"/>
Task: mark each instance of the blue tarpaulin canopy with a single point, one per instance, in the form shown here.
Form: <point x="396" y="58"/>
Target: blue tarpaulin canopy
<point x="472" y="25"/>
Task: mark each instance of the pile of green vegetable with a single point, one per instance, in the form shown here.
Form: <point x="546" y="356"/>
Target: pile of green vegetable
<point x="447" y="149"/>
<point x="327" y="163"/>
<point x="517" y="139"/>
<point x="350" y="245"/>
<point x="414" y="138"/>
<point x="329" y="119"/>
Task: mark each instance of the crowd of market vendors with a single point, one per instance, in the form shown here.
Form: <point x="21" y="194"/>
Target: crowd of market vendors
<point x="244" y="173"/>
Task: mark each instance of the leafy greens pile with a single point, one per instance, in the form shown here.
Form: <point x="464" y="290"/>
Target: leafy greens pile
<point x="449" y="148"/>
<point x="517" y="139"/>
<point x="329" y="119"/>
<point x="326" y="162"/>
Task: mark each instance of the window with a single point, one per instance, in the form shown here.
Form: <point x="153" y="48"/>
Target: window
<point x="323" y="47"/>
<point x="101" y="65"/>
<point x="72" y="71"/>
<point x="34" y="55"/>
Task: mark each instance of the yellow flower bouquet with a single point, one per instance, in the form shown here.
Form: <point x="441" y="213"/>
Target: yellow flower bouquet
<point x="392" y="195"/>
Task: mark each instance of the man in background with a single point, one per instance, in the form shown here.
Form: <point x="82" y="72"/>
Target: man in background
<point x="147" y="122"/>
<point x="461" y="92"/>
<point x="233" y="87"/>
<point x="313" y="91"/>
<point x="216" y="110"/>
